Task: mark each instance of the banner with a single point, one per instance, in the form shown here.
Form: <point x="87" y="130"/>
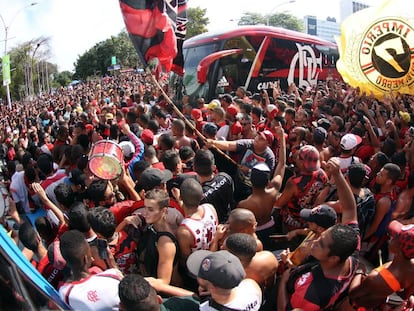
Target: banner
<point x="5" y="66"/>
<point x="376" y="48"/>
<point x="153" y="26"/>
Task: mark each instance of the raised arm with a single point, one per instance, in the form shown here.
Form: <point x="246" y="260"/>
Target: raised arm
<point x="281" y="164"/>
<point x="37" y="188"/>
<point x="345" y="194"/>
<point x="222" y="144"/>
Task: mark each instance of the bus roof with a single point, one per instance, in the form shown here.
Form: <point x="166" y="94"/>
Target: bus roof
<point x="278" y="32"/>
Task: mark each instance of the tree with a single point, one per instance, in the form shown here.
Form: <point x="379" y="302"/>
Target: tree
<point x="31" y="72"/>
<point x="197" y="21"/>
<point x="97" y="59"/>
<point x="251" y="19"/>
<point x="63" y="78"/>
<point x="283" y="20"/>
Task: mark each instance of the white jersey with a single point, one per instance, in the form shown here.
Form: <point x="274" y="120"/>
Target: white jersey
<point x="248" y="298"/>
<point x="97" y="292"/>
<point x="344" y="163"/>
<point x="203" y="229"/>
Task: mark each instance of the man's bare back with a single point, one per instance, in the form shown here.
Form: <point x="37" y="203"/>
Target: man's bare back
<point x="260" y="202"/>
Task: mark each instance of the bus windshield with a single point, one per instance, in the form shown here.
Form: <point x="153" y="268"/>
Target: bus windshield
<point x="255" y="57"/>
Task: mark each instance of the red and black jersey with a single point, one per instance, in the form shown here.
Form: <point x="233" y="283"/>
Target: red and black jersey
<point x="124" y="253"/>
<point x="307" y="188"/>
<point x="48" y="271"/>
<point x="310" y="289"/>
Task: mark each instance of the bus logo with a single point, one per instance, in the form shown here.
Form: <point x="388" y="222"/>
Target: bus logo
<point x="308" y="66"/>
<point x="386" y="54"/>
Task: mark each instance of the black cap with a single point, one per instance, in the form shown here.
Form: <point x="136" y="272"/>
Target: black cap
<point x="153" y="177"/>
<point x="221" y="268"/>
<point x="77" y="177"/>
<point x="322" y="215"/>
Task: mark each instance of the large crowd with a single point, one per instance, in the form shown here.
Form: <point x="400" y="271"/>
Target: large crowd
<point x="279" y="200"/>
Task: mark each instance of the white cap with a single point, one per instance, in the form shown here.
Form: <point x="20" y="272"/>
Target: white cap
<point x="128" y="148"/>
<point x="45" y="149"/>
<point x="350" y="141"/>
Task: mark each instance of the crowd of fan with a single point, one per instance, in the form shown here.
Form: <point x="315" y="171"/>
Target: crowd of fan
<point x="275" y="200"/>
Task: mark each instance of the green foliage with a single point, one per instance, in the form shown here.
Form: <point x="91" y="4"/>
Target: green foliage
<point x="286" y="20"/>
<point x="30" y="68"/>
<point x="283" y="20"/>
<point x="197" y="21"/>
<point x="63" y="78"/>
<point x="249" y="18"/>
<point x="96" y="60"/>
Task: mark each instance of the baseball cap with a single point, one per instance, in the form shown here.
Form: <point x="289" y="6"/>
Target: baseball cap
<point x="322" y="122"/>
<point x="210" y="129"/>
<point x="45" y="149"/>
<point x="405" y="236"/>
<point x="109" y="116"/>
<point x="260" y="174"/>
<point x="266" y="134"/>
<point x="350" y="141"/>
<point x="405" y="116"/>
<point x="232" y="110"/>
<point x="310" y="157"/>
<point x="319" y="134"/>
<point x="272" y="110"/>
<point x="153" y="177"/>
<point x="215" y="103"/>
<point x="221" y="268"/>
<point x="147" y="136"/>
<point x="322" y="215"/>
<point x="77" y="177"/>
<point x="197" y="115"/>
<point x="128" y="148"/>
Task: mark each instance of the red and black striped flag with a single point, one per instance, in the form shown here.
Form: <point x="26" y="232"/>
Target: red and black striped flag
<point x="157" y="29"/>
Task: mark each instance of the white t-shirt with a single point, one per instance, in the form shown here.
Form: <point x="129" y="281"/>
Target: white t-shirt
<point x="248" y="298"/>
<point x="18" y="190"/>
<point x="223" y="132"/>
<point x="97" y="292"/>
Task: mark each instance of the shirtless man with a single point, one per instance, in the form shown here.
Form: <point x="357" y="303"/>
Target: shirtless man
<point x="263" y="198"/>
<point x="181" y="140"/>
<point x="393" y="277"/>
<point x="259" y="266"/>
<point x="240" y="220"/>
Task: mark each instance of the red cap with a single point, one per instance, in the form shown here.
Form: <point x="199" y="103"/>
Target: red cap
<point x="147" y="136"/>
<point x="232" y="110"/>
<point x="89" y="127"/>
<point x="266" y="134"/>
<point x="197" y="115"/>
<point x="124" y="110"/>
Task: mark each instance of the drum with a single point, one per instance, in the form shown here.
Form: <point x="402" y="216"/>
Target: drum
<point x="106" y="159"/>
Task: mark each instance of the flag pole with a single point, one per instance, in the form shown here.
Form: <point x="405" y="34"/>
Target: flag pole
<point x="187" y="122"/>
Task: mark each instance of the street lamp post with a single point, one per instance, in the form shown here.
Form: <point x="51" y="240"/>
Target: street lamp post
<point x="277" y="6"/>
<point x="6" y="34"/>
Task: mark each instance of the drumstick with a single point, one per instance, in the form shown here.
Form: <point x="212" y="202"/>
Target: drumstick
<point x="278" y="236"/>
<point x="179" y="113"/>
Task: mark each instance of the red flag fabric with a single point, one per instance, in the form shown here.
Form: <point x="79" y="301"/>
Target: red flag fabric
<point x="152" y="26"/>
<point x="180" y="32"/>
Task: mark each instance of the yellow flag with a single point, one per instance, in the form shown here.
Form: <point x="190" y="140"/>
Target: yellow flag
<point x="376" y="48"/>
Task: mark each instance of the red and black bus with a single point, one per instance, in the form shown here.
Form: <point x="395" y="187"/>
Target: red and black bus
<point x="255" y="57"/>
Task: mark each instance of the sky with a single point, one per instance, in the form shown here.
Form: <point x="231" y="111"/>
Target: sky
<point x="75" y="26"/>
